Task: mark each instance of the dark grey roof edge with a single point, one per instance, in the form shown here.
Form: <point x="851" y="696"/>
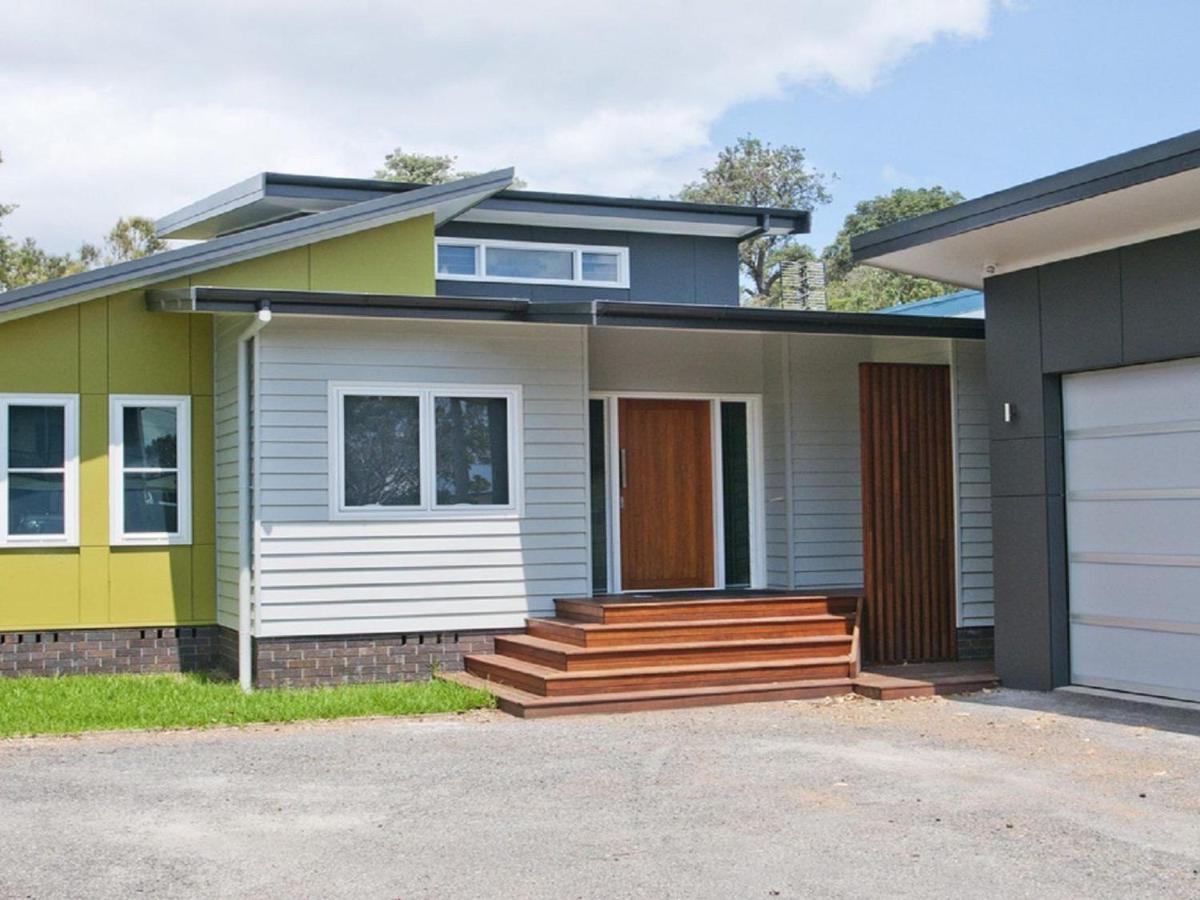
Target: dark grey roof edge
<point x="568" y="312"/>
<point x="246" y="244"/>
<point x="1122" y="170"/>
<point x="357" y="189"/>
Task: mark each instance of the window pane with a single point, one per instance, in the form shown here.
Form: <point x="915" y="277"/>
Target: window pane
<point x="151" y="503"/>
<point x="381" y="451"/>
<point x="149" y="434"/>
<point x="472" y="450"/>
<point x="600" y="267"/>
<point x="515" y="262"/>
<point x="35" y="437"/>
<point x="35" y="504"/>
<point x="735" y="473"/>
<point x="453" y="259"/>
<point x="599" y="494"/>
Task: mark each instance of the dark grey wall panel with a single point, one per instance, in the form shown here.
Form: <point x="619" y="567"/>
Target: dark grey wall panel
<point x="666" y="268"/>
<point x="1022" y="583"/>
<point x="1018" y="467"/>
<point x="1014" y="364"/>
<point x="1160" y="288"/>
<point x="1081" y="313"/>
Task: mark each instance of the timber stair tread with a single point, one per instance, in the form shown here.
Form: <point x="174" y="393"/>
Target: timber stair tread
<point x="591" y="634"/>
<point x="541" y="650"/>
<point x="525" y="704"/>
<point x="598" y="674"/>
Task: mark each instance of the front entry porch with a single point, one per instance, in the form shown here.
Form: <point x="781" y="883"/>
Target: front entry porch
<point x="665" y="650"/>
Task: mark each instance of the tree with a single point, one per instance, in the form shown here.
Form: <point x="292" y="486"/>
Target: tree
<point x="424" y="168"/>
<point x="752" y="173"/>
<point x="132" y="237"/>
<point x="861" y="288"/>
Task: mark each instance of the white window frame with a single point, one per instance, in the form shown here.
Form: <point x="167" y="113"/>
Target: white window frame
<point x="481" y="246"/>
<point x="182" y="404"/>
<point x="70" y="470"/>
<point x="428" y="507"/>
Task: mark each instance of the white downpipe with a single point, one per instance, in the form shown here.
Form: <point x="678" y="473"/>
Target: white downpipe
<point x="245" y="526"/>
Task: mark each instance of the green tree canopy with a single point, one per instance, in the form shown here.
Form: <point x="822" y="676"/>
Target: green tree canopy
<point x="753" y="173"/>
<point x="861" y="288"/>
<point x="132" y="237"/>
<point x="424" y="168"/>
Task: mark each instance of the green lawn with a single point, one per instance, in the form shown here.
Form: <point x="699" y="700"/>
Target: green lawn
<point x="101" y="702"/>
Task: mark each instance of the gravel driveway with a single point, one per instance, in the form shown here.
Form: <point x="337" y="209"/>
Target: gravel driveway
<point x="1003" y="794"/>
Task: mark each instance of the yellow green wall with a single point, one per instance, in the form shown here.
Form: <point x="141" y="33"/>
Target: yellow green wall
<point x="113" y="345"/>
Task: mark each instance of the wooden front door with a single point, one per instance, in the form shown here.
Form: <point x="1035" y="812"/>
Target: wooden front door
<point x="908" y="512"/>
<point x="666" y="494"/>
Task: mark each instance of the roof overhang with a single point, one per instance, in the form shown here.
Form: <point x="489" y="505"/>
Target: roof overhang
<point x="613" y="313"/>
<point x="443" y="202"/>
<point x="1150" y="192"/>
<point x="274" y="196"/>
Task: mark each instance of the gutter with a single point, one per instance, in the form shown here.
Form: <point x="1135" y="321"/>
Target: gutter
<point x="246" y="527"/>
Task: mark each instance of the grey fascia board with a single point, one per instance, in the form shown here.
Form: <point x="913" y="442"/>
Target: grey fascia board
<point x="252" y="243"/>
<point x="225" y="200"/>
<point x="269" y="185"/>
<point x="596" y="313"/>
<point x="1114" y="173"/>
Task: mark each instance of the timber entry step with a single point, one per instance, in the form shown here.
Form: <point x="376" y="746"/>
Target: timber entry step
<point x="658" y="651"/>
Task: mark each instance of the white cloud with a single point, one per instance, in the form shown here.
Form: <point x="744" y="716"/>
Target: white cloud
<point x="124" y="106"/>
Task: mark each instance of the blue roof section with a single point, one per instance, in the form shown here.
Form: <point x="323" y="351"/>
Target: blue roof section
<point x="959" y="305"/>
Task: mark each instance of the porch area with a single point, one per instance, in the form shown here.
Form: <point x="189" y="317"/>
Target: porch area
<point x="628" y="652"/>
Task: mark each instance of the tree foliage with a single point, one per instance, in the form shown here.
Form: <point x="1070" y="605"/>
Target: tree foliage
<point x="424" y="168"/>
<point x="25" y="262"/>
<point x="862" y="288"/>
<point x="753" y="173"/>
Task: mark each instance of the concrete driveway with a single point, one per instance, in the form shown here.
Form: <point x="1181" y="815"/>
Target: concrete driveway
<point x="1005" y="794"/>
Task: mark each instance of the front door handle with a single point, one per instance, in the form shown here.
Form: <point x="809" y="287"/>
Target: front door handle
<point x="624" y="471"/>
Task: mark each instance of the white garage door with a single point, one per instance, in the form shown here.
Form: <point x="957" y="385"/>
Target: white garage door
<point x="1133" y="527"/>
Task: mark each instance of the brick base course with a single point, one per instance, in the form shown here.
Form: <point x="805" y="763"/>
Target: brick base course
<point x="108" y="651"/>
<point x="293" y="662"/>
<point x="976" y="643"/>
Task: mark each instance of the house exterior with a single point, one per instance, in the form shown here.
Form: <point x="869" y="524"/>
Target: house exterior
<point x="1093" y="366"/>
<point x="359" y="429"/>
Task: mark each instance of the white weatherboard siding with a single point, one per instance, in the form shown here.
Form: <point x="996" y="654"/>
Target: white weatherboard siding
<point x="427" y="574"/>
<point x="825" y="458"/>
<point x="974" y="485"/>
<point x="225" y="415"/>
<point x="776" y="460"/>
<point x="1132" y="453"/>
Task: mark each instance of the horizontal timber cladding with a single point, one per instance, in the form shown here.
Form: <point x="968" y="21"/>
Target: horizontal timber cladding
<point x="428" y="574"/>
<point x="974" y="486"/>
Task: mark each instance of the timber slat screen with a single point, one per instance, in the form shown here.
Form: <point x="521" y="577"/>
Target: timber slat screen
<point x="908" y="513"/>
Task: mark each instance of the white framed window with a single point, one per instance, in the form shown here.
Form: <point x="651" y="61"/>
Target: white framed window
<point x="402" y="451"/>
<point x="39" y="470"/>
<point x="150" y="469"/>
<point x="530" y="262"/>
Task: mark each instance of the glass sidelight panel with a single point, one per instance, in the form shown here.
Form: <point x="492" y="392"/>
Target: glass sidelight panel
<point x="735" y="473"/>
<point x="599" y="494"/>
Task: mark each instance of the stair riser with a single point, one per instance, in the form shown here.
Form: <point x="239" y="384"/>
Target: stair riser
<point x="622" y="659"/>
<point x="766" y="695"/>
<point x="582" y="611"/>
<point x="683" y="633"/>
<point x="567" y="686"/>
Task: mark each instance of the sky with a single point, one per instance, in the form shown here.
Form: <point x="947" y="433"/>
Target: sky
<point x="124" y="107"/>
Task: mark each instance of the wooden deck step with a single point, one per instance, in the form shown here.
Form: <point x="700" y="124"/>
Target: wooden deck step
<point x="669" y="608"/>
<point x="547" y="682"/>
<point x="925" y="680"/>
<point x="598" y="634"/>
<point x="522" y="703"/>
<point x="571" y="658"/>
